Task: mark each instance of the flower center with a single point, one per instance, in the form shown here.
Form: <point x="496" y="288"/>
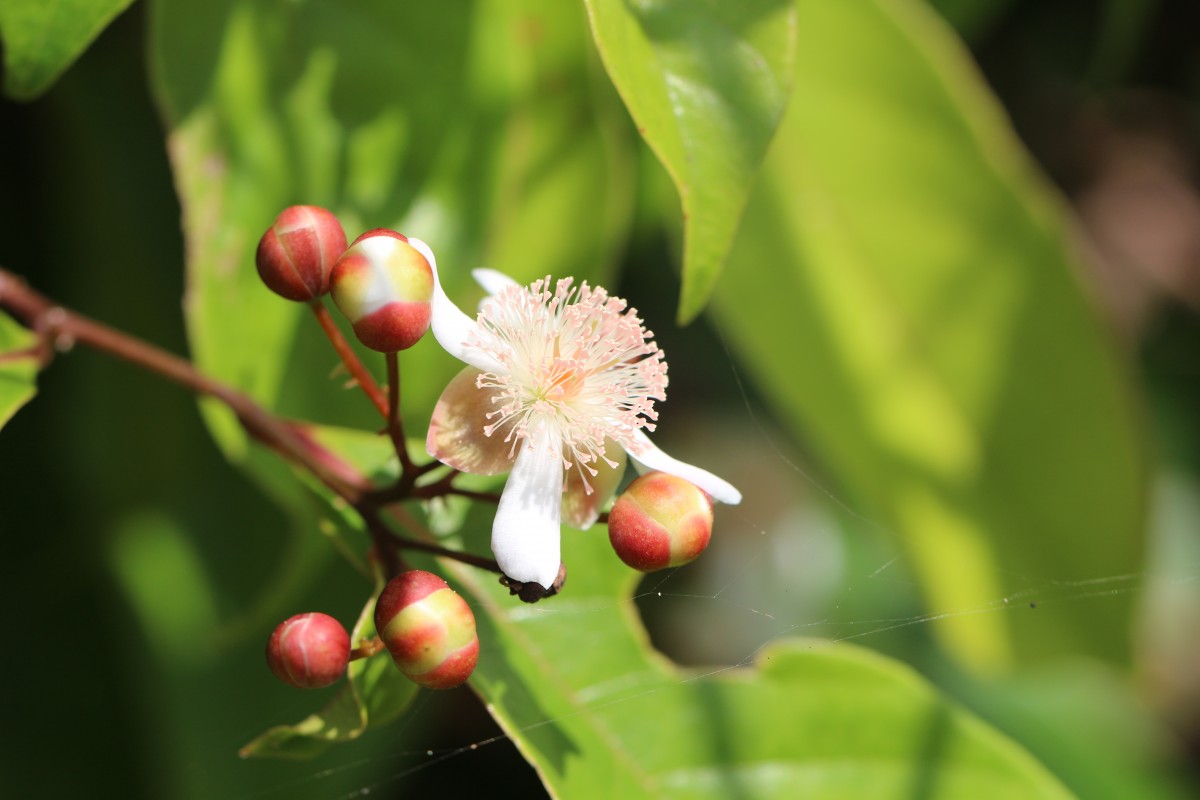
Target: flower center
<point x="575" y="360"/>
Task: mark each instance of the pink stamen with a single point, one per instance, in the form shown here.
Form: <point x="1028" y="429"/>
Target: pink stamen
<point x="577" y="361"/>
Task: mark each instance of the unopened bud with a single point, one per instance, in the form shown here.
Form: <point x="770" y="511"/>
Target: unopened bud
<point x="660" y="521"/>
<point x="428" y="629"/>
<point x="309" y="650"/>
<point x="384" y="286"/>
<point x="296" y="255"/>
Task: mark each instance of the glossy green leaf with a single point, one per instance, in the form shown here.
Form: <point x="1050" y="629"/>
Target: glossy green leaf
<point x="18" y="367"/>
<point x="706" y="84"/>
<point x="41" y="38"/>
<point x="574" y="683"/>
<point x="374" y="693"/>
<point x="916" y="317"/>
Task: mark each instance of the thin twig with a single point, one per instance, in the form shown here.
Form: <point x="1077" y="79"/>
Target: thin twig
<point x="367" y="648"/>
<point x="346" y="353"/>
<point x="396" y="420"/>
<point x="456" y="555"/>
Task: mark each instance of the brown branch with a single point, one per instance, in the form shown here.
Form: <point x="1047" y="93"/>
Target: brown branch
<point x="467" y="558"/>
<point x="62" y="328"/>
<point x="59" y="328"/>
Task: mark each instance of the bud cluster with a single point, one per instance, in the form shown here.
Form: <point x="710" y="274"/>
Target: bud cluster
<point x="384" y="284"/>
<point x="425" y="625"/>
<point x="381" y="283"/>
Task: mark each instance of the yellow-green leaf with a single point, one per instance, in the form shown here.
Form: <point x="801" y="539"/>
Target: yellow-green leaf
<point x="41" y="38"/>
<point x="18" y="367"/>
<point x="706" y="84"/>
<point x="905" y="292"/>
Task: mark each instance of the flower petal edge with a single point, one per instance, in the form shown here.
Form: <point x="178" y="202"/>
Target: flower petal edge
<point x="648" y="456"/>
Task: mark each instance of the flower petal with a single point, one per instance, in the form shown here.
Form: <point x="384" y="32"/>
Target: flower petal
<point x="493" y="281"/>
<point x="646" y="456"/>
<point x="581" y="509"/>
<point x="451" y="327"/>
<point x="525" y="534"/>
<point x="456" y="430"/>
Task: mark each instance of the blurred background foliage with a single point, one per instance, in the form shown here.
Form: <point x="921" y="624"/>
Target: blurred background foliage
<point x="962" y="403"/>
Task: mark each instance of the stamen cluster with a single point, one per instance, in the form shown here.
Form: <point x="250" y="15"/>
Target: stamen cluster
<point x="576" y="362"/>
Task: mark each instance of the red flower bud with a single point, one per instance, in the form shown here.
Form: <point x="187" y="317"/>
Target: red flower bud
<point x="384" y="286"/>
<point x="296" y="254"/>
<point x="428" y="629"/>
<point x="660" y="521"/>
<point x="309" y="650"/>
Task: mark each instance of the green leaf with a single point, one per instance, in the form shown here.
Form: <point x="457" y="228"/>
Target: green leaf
<point x="706" y="84"/>
<point x="18" y="367"/>
<point x="574" y="683"/>
<point x="42" y="38"/>
<point x="1090" y="725"/>
<point x="375" y="693"/>
<point x="904" y="292"/>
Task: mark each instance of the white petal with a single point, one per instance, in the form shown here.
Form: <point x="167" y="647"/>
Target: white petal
<point x="646" y="456"/>
<point x="451" y="327"/>
<point x="525" y="535"/>
<point x="493" y="281"/>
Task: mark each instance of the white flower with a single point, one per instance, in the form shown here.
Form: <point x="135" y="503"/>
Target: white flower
<point x="560" y="385"/>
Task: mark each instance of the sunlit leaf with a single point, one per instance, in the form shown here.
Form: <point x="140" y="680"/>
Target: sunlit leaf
<point x="18" y="367"/>
<point x="905" y="294"/>
<point x="706" y="84"/>
<point x="600" y="714"/>
<point x="42" y="38"/>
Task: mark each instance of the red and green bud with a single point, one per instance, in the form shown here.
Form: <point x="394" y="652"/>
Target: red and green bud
<point x="660" y="521"/>
<point x="309" y="650"/>
<point x="296" y="255"/>
<point x="428" y="629"/>
<point x="384" y="286"/>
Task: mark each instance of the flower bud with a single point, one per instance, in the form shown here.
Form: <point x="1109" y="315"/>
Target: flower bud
<point x="309" y="650"/>
<point x="384" y="286"/>
<point x="296" y="254"/>
<point x="428" y="629"/>
<point x="660" y="521"/>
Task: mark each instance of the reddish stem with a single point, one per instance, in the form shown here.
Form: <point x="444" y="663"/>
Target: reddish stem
<point x="346" y="353"/>
<point x="396" y="421"/>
